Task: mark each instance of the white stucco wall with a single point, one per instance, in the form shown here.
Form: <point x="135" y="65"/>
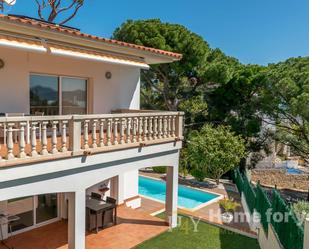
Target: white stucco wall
<point x="121" y="91"/>
<point x="130" y="184"/>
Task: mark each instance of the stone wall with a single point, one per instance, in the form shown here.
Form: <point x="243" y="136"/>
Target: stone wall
<point x="270" y="178"/>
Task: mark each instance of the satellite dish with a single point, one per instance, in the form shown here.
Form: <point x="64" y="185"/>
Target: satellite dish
<point x="10" y="2"/>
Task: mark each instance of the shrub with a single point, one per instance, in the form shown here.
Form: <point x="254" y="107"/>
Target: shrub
<point x="301" y="210"/>
<point x="159" y="169"/>
<point x="198" y="174"/>
<point x="229" y="205"/>
<point x="215" y="150"/>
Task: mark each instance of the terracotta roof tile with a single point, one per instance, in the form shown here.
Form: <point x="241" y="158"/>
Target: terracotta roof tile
<point x="63" y="29"/>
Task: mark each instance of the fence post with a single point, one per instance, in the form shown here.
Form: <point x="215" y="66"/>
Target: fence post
<point x="306" y="234"/>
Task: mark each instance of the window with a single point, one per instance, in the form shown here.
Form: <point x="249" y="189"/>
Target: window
<point x="57" y="95"/>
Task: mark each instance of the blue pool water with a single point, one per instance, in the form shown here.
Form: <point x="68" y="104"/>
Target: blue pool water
<point x="294" y="171"/>
<point x="187" y="197"/>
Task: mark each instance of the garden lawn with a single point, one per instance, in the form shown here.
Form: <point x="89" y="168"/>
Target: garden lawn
<point x="206" y="237"/>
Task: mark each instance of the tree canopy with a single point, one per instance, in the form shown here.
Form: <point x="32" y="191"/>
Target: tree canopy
<point x="286" y="103"/>
<point x="212" y="87"/>
<point x="213" y="151"/>
<point x="179" y="85"/>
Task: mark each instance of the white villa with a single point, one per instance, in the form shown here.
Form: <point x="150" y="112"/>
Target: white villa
<point x="71" y="125"/>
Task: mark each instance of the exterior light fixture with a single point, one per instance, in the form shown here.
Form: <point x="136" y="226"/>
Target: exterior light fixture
<point x="108" y="75"/>
<point x="1" y="64"/>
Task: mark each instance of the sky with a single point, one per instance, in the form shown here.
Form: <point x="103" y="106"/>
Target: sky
<point x="253" y="31"/>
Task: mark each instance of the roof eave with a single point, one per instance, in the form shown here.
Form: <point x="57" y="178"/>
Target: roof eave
<point x="25" y="29"/>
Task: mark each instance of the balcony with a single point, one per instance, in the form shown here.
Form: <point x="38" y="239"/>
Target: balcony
<point x="32" y="139"/>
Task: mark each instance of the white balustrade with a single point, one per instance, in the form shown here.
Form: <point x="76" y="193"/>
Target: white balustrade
<point x="107" y="131"/>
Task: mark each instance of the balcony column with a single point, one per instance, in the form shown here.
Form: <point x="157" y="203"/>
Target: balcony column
<point x="171" y="195"/>
<point x="119" y="189"/>
<point x="77" y="220"/>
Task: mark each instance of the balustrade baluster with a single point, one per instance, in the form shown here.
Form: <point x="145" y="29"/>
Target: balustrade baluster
<point x="22" y="153"/>
<point x="160" y="127"/>
<point x="34" y="152"/>
<point x="169" y="126"/>
<point x="102" y="132"/>
<point x="145" y="128"/>
<point x="164" y="126"/>
<point x="86" y="135"/>
<point x="155" y="128"/>
<point x="150" y="131"/>
<point x="128" y="138"/>
<point x="115" y="141"/>
<point x="109" y="132"/>
<point x="122" y="126"/>
<point x="44" y="138"/>
<point x="10" y="143"/>
<point x="64" y="136"/>
<point x="94" y="133"/>
<point x="140" y="129"/>
<point x="173" y="126"/>
<point x="134" y="120"/>
<point x="54" y="137"/>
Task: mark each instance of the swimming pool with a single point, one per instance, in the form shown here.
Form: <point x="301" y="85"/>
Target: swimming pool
<point x="292" y="171"/>
<point x="187" y="197"/>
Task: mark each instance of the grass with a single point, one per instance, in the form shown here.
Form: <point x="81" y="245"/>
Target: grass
<point x="206" y="237"/>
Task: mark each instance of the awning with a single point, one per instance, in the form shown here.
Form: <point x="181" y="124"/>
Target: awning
<point x="53" y="48"/>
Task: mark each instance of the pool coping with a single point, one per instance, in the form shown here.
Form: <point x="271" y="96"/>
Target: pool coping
<point x="220" y="196"/>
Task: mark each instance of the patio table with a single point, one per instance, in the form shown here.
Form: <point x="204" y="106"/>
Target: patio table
<point x="100" y="206"/>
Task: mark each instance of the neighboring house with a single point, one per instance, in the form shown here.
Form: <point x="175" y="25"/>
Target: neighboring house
<point x="71" y="124"/>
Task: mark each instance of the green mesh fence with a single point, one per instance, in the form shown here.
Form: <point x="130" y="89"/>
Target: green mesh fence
<point x="289" y="230"/>
<point x="262" y="205"/>
<point x="249" y="194"/>
<point x="238" y="180"/>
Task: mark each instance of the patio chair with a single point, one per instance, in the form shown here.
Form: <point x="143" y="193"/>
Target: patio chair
<point x="108" y="216"/>
<point x="91" y="214"/>
<point x="96" y="196"/>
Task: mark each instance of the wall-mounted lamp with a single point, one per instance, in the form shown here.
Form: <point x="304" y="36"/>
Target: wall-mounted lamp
<point x="1" y="64"/>
<point x="108" y="75"/>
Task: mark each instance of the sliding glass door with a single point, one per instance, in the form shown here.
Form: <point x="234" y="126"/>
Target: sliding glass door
<point x="57" y="95"/>
<point x="46" y="208"/>
<point x="33" y="211"/>
<point x="23" y="209"/>
<point x="73" y="96"/>
<point x="44" y="95"/>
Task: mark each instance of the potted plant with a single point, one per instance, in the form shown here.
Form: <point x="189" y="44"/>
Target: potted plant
<point x="229" y="207"/>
